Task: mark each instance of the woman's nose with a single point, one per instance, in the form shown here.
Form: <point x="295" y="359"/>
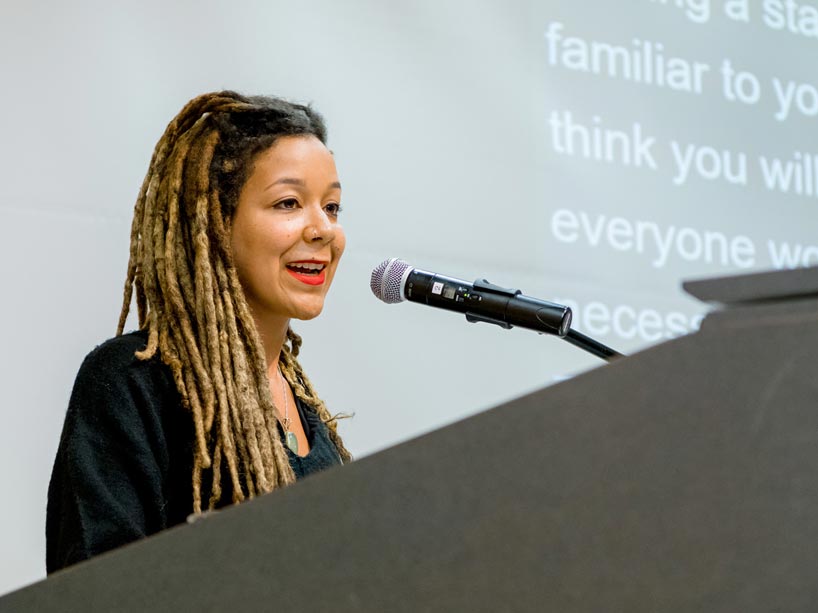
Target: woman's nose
<point x="319" y="227"/>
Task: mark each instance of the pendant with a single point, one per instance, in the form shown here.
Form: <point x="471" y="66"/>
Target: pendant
<point x="292" y="442"/>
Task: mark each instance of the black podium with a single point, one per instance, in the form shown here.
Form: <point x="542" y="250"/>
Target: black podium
<point x="683" y="478"/>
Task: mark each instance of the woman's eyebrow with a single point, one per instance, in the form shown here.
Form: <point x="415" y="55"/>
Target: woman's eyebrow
<point x="287" y="181"/>
<point x="299" y="182"/>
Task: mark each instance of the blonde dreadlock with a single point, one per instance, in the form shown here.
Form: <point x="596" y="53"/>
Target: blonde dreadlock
<point x="189" y="298"/>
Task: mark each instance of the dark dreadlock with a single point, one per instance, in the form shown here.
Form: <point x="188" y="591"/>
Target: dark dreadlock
<point x="188" y="294"/>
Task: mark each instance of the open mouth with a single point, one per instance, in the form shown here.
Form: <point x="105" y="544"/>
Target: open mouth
<point x="311" y="273"/>
<point x="307" y="268"/>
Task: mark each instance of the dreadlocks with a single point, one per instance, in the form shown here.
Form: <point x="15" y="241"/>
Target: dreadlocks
<point x="189" y="298"/>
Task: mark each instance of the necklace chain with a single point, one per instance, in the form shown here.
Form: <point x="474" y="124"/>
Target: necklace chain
<point x="289" y="435"/>
<point x="286" y="421"/>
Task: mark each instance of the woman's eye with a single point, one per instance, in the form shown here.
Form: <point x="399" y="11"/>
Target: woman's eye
<point x="333" y="208"/>
<point x="288" y="204"/>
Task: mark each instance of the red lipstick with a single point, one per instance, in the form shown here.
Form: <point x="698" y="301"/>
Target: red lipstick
<point x="308" y="278"/>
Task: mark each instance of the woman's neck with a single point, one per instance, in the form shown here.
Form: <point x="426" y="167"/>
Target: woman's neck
<point x="273" y="334"/>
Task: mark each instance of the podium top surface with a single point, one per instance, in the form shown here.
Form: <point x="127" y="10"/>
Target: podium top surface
<point x="756" y="287"/>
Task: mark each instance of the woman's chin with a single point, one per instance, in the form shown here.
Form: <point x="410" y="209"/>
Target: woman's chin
<point x="307" y="312"/>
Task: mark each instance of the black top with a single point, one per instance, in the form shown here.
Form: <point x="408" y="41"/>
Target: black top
<point x="124" y="466"/>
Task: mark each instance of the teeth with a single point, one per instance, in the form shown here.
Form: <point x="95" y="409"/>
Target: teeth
<point x="307" y="266"/>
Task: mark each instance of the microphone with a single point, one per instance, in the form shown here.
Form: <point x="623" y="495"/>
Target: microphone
<point x="395" y="281"/>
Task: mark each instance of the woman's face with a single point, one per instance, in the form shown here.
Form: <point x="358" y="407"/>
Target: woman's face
<point x="285" y="237"/>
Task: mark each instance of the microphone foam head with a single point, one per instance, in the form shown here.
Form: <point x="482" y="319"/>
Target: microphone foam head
<point x="387" y="280"/>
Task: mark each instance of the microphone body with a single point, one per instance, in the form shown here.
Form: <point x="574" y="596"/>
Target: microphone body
<point x="394" y="280"/>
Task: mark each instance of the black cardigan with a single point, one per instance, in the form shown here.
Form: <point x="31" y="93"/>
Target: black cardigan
<point x="124" y="466"/>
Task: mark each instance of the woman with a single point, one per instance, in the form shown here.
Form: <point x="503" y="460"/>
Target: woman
<point x="235" y="232"/>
